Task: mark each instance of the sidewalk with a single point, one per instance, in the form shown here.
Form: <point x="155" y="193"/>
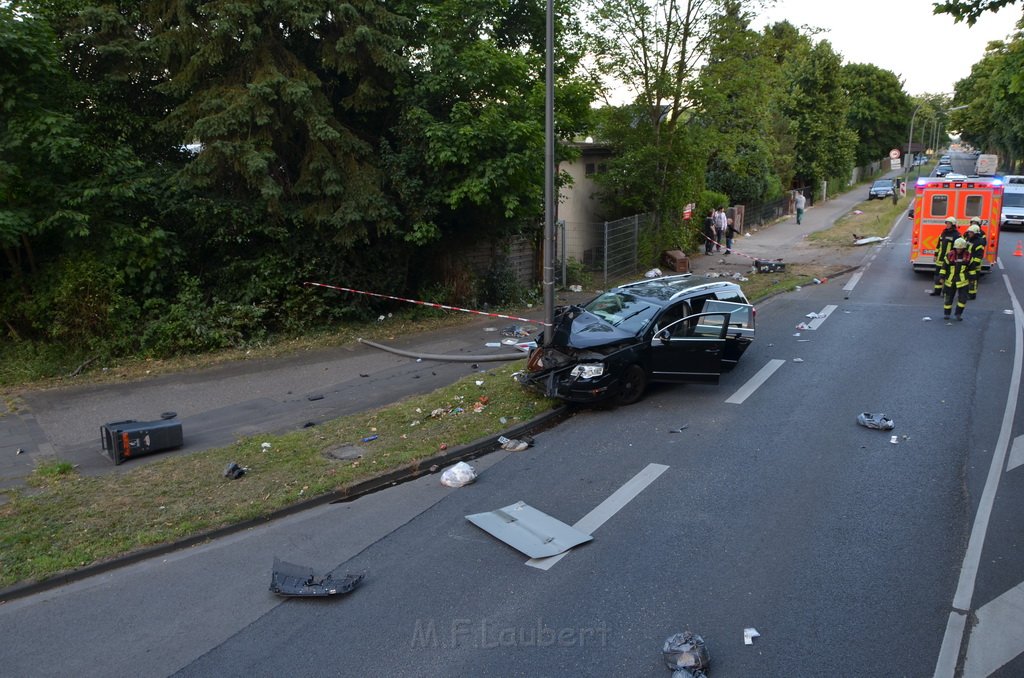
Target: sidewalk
<point x="787" y="240"/>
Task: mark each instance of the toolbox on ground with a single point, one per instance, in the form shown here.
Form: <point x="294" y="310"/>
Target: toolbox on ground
<point x="129" y="439"/>
<point x="763" y="266"/>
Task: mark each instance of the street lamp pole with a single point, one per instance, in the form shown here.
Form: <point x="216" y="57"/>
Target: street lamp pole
<point x="549" y="174"/>
<point x="910" y="140"/>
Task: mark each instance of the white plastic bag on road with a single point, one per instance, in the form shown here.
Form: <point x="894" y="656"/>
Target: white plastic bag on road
<point x="458" y="475"/>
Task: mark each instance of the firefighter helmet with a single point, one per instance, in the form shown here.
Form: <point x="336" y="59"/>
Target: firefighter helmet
<point x="976" y="220"/>
<point x="959" y="244"/>
<point x="951" y="221"/>
<point x="974" y="228"/>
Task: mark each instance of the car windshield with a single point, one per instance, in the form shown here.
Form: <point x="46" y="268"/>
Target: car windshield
<point x="1013" y="199"/>
<point x="881" y="184"/>
<point x="622" y="310"/>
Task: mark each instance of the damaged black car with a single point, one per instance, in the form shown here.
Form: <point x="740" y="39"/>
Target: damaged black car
<point x="679" y="328"/>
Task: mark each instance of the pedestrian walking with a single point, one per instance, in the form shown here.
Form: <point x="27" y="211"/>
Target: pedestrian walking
<point x="721" y="221"/>
<point x="942" y="247"/>
<point x="976" y="242"/>
<point x="730" y="233"/>
<point x="709" y="232"/>
<point x="800" y="201"/>
<point x="958" y="265"/>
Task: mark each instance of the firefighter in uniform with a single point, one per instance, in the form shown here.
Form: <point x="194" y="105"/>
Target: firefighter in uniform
<point x="976" y="242"/>
<point x="958" y="266"/>
<point x="942" y="248"/>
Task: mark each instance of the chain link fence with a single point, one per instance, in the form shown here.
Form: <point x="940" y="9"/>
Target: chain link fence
<point x="605" y="251"/>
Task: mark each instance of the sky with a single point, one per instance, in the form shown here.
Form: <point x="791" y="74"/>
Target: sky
<point x="928" y="52"/>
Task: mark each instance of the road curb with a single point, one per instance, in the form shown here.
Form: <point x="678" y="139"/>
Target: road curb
<point x="403" y="474"/>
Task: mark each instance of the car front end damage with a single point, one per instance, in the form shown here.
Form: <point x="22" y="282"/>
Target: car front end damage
<point x="583" y="374"/>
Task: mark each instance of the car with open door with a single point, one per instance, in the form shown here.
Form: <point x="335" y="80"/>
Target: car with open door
<point x="681" y="328"/>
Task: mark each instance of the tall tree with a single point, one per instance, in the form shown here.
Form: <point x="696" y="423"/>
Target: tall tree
<point x="879" y="110"/>
<point x="653" y="48"/>
<point x="825" y="146"/>
<point x="738" y="98"/>
<point x="970" y="10"/>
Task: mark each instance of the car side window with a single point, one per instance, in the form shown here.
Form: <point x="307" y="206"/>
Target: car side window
<point x="669" y="320"/>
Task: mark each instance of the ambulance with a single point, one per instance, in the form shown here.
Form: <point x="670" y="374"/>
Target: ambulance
<point x="960" y="197"/>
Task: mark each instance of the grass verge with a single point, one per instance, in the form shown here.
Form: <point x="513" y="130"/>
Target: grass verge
<point x="69" y="521"/>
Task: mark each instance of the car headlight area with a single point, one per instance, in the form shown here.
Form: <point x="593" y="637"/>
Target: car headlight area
<point x="588" y="371"/>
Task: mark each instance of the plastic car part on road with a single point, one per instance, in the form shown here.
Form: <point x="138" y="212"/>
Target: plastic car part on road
<point x="289" y="579"/>
<point x="878" y="421"/>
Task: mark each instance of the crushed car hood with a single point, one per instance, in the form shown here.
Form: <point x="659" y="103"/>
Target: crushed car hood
<point x="579" y="329"/>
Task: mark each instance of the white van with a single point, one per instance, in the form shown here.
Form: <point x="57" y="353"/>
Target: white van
<point x="1013" y="202"/>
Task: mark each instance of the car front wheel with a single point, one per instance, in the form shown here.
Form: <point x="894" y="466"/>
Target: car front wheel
<point x="634" y="382"/>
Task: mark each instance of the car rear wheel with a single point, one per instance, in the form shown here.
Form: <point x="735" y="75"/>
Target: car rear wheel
<point x="634" y="382"/>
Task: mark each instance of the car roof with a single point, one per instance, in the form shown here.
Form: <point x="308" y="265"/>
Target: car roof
<point x="666" y="288"/>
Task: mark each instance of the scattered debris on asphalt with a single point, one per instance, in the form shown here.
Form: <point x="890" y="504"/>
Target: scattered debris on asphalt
<point x="513" y="444"/>
<point x="233" y="471"/>
<point x="517" y="331"/>
<point x="314" y="397"/>
<point x="529" y="531"/>
<point x="877" y="421"/>
<point x="687" y="652"/>
<point x="868" y="241"/>
<point x="20" y="451"/>
<point x="680" y="429"/>
<point x="894" y="440"/>
<point x="798" y="360"/>
<point x="749" y="634"/>
<point x="459" y="475"/>
<point x="289" y="579"/>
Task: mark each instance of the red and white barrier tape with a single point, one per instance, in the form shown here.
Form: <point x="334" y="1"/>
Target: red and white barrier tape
<point x="733" y="250"/>
<point x="426" y="303"/>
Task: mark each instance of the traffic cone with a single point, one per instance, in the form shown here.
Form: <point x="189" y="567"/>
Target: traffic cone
<point x="1017" y="252"/>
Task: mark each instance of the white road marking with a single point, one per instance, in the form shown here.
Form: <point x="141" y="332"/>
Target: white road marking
<point x="755" y="382"/>
<point x="606" y="509"/>
<point x="854" y="279"/>
<point x="1016" y="453"/>
<point x="998" y="636"/>
<point x="824" y="314"/>
<point x="952" y="640"/>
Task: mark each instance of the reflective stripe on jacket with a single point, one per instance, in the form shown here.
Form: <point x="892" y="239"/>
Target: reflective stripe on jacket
<point x="958" y="266"/>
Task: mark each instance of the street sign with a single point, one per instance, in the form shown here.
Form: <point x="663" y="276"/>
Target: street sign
<point x="894" y="153"/>
<point x="895" y="163"/>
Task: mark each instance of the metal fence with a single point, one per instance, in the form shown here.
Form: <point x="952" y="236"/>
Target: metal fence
<point x="608" y="250"/>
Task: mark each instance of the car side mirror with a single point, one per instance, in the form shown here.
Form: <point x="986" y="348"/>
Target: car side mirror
<point x="662" y="336"/>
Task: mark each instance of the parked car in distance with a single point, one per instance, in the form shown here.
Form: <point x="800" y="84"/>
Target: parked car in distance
<point x="680" y="328"/>
<point x="942" y="170"/>
<point x="945" y="160"/>
<point x="881" y="189"/>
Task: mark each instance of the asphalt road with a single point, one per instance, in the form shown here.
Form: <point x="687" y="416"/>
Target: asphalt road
<point x="776" y="511"/>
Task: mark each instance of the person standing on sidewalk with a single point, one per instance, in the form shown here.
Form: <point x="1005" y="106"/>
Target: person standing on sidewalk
<point x="721" y="222"/>
<point x="800" y="202"/>
<point x="709" y="232"/>
<point x="730" y="233"/>
<point x="942" y="247"/>
<point x="958" y="265"/>
<point x="976" y="242"/>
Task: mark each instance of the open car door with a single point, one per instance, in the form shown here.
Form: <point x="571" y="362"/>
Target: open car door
<point x="690" y="350"/>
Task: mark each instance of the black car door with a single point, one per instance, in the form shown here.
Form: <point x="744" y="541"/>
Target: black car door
<point x="689" y="349"/>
